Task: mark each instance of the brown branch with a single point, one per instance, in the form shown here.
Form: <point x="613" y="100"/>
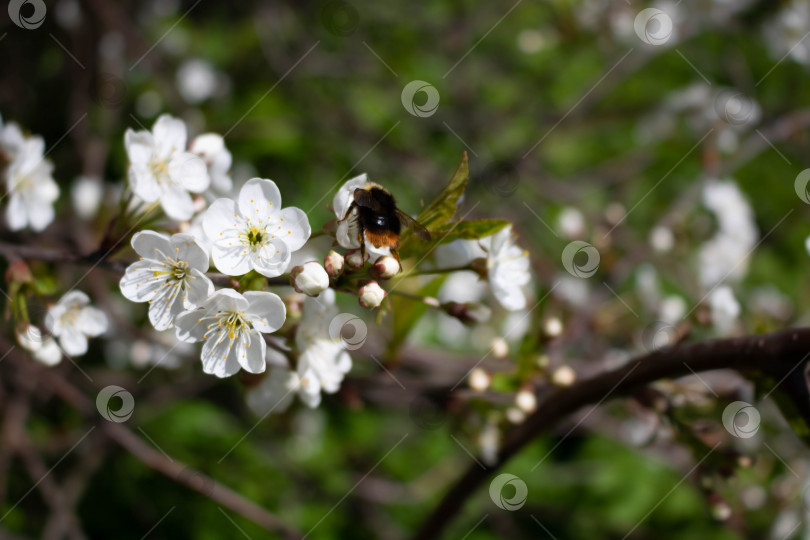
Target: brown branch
<point x="775" y="355"/>
<point x="175" y="470"/>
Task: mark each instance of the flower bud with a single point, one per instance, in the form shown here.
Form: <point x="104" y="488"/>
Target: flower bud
<point x="563" y="376"/>
<point x="525" y="400"/>
<point x="333" y="263"/>
<point x="371" y="295"/>
<point x="310" y="279"/>
<point x="354" y="259"/>
<point x="499" y="347"/>
<point x="386" y="267"/>
<point x="479" y="379"/>
<point x="553" y="327"/>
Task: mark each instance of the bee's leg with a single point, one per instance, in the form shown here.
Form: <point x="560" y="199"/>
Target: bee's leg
<point x="361" y="239"/>
<point x="395" y="254"/>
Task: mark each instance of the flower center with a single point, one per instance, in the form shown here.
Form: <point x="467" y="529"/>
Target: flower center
<point x="254" y="237"/>
<point x="230" y="323"/>
<point x="160" y="169"/>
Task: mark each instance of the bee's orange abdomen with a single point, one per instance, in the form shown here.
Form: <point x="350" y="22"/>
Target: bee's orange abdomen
<point x="382" y="239"/>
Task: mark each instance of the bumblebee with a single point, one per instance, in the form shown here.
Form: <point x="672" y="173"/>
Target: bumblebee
<point x="379" y="221"/>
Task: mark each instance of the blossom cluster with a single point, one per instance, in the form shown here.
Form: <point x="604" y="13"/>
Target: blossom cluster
<point x="204" y="273"/>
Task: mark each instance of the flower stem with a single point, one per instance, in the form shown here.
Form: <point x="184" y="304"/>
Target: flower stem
<point x="431" y="271"/>
<point x="427" y="300"/>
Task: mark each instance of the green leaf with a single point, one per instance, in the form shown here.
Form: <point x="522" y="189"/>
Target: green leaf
<point x="443" y="207"/>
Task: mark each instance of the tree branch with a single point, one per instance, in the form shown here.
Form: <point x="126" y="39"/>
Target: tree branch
<point x="776" y="355"/>
<point x="175" y="470"/>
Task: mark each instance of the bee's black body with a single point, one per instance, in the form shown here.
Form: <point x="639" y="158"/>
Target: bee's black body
<point x="380" y="216"/>
<point x="379" y="220"/>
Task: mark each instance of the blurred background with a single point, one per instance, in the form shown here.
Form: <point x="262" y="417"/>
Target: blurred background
<point x="588" y="120"/>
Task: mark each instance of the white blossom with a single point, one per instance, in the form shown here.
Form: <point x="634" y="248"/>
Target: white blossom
<point x="725" y="256"/>
<point x="196" y="80"/>
<point x="255" y="233"/>
<point x="161" y="169"/>
<point x="72" y="320"/>
<point x="211" y="148"/>
<point x="508" y="269"/>
<point x="29" y="181"/>
<point x="170" y="276"/>
<point x="724" y="309"/>
<point x="323" y="360"/>
<point x="348" y="230"/>
<point x="231" y="325"/>
<point x="785" y="33"/>
<point x="571" y="222"/>
<point x="43" y="349"/>
<point x="86" y="194"/>
<point x="507" y="264"/>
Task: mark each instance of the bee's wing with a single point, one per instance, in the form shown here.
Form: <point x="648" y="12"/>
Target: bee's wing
<point x="418" y="228"/>
<point x="363" y="197"/>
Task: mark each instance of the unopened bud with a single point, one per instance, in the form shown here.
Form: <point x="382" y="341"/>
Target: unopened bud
<point x="515" y="415"/>
<point x="553" y="327"/>
<point x="371" y="295"/>
<point x="310" y="279"/>
<point x="525" y="400"/>
<point x="499" y="347"/>
<point x="479" y="379"/>
<point x="386" y="267"/>
<point x="354" y="259"/>
<point x="333" y="264"/>
<point x="563" y="376"/>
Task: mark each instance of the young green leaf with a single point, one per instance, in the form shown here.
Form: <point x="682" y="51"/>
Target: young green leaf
<point x="443" y="207"/>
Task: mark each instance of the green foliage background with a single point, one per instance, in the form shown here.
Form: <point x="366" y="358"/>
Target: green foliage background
<point x="338" y="113"/>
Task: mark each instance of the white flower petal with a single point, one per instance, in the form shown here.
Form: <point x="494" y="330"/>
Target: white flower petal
<point x="348" y="232"/>
<point x="231" y="260"/>
<point x="16" y="213"/>
<point x="250" y="351"/>
<point x="266" y="312"/>
<point x="259" y="198"/>
<point x="176" y="202"/>
<point x="227" y="300"/>
<point x="218" y="358"/>
<point x="165" y="306"/>
<point x="199" y="287"/>
<point x="74" y="298"/>
<point x="292" y="226"/>
<point x="189" y="171"/>
<point x="150" y="244"/>
<point x="189" y="325"/>
<point x="92" y="321"/>
<point x="169" y="136"/>
<point x="73" y="342"/>
<point x="271" y="260"/>
<point x="49" y="354"/>
<point x="187" y="249"/>
<point x="221" y="221"/>
<point x="345" y="195"/>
